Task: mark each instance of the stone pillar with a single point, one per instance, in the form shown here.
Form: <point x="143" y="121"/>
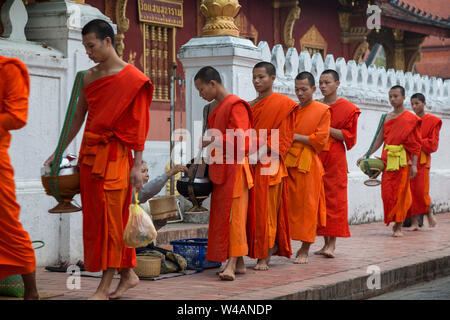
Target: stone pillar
<point x="233" y="57"/>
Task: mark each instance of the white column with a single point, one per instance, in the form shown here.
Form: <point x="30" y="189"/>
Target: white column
<point x="233" y="57"/>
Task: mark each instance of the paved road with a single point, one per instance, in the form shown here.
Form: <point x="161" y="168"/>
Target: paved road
<point x="438" y="289"/>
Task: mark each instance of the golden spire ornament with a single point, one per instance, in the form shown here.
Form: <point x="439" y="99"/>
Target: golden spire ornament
<point x="219" y="16"/>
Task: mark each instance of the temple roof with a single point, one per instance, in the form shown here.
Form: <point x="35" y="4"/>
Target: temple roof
<point x="405" y="14"/>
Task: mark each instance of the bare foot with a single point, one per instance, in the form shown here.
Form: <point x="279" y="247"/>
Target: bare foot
<point x="329" y="253"/>
<point x="99" y="296"/>
<point x="128" y="280"/>
<point x="431" y="220"/>
<point x="321" y="251"/>
<point x="261" y="265"/>
<point x="301" y="258"/>
<point x="227" y="275"/>
<point x="240" y="266"/>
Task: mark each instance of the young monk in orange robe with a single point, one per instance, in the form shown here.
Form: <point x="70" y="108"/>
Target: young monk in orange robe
<point x="344" y="120"/>
<point x="420" y="185"/>
<point x="232" y="213"/>
<point x="116" y="97"/>
<point x="402" y="141"/>
<point x="307" y="209"/>
<point x="271" y="111"/>
<point x="16" y="253"/>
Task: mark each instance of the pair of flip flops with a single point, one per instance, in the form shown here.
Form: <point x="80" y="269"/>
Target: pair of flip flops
<point x="64" y="266"/>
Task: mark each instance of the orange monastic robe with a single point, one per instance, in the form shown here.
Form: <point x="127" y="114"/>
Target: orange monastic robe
<point x="16" y="253"/>
<point x="117" y="122"/>
<point x="420" y="184"/>
<point x="272" y="226"/>
<point x="395" y="190"/>
<point x="344" y="116"/>
<point x="307" y="208"/>
<point x="231" y="222"/>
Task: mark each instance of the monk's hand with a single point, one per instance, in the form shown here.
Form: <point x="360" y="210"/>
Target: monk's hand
<point x="359" y="160"/>
<point x="413" y="171"/>
<point x="49" y="161"/>
<point x="177" y="168"/>
<point x="206" y="141"/>
<point x="136" y="177"/>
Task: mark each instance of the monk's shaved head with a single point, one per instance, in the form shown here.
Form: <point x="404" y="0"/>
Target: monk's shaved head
<point x="306" y="75"/>
<point x="418" y="96"/>
<point x="208" y="74"/>
<point x="333" y="73"/>
<point x="270" y="68"/>
<point x="402" y="90"/>
<point x="101" y="28"/>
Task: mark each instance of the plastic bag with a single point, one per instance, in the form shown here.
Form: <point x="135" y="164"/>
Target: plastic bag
<point x="139" y="230"/>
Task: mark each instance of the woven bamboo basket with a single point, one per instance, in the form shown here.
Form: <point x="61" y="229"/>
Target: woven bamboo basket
<point x="148" y="266"/>
<point x="163" y="207"/>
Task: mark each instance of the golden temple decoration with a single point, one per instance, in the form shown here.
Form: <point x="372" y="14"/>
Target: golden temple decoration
<point x="314" y="42"/>
<point x="293" y="16"/>
<point x="360" y="51"/>
<point x="219" y="16"/>
<point x="122" y="25"/>
<point x="132" y="58"/>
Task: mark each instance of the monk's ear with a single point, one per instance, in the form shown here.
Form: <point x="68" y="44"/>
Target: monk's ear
<point x="314" y="89"/>
<point x="338" y="83"/>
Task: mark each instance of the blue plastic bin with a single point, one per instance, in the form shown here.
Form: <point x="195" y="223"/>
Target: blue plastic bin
<point x="194" y="251"/>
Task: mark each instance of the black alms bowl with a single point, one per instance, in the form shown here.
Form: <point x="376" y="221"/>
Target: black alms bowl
<point x="202" y="187"/>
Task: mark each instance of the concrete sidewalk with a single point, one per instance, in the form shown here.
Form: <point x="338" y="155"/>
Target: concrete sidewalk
<point x="416" y="257"/>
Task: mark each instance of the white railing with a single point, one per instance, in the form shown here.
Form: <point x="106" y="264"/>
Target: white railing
<point x="358" y="82"/>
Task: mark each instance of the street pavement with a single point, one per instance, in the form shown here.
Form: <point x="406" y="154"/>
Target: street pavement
<point x="369" y="253"/>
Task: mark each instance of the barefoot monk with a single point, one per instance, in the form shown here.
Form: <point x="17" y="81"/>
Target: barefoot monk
<point x="273" y="113"/>
<point x="344" y="121"/>
<point x="116" y="97"/>
<point x="16" y="253"/>
<point x="232" y="216"/>
<point x="420" y="184"/>
<point x="306" y="192"/>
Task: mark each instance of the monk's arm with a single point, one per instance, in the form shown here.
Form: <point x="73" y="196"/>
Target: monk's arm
<point x="430" y="144"/>
<point x="302" y="138"/>
<point x="414" y="166"/>
<point x="135" y="173"/>
<point x="337" y="134"/>
<point x="378" y="142"/>
<point x="77" y="122"/>
<point x="15" y="101"/>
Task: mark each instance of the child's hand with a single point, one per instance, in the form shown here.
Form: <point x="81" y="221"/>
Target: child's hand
<point x="49" y="161"/>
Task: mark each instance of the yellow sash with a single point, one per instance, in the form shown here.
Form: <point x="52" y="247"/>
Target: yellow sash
<point x="300" y="156"/>
<point x="423" y="157"/>
<point x="396" y="157"/>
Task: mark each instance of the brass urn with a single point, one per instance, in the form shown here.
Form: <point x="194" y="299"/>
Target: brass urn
<point x="219" y="16"/>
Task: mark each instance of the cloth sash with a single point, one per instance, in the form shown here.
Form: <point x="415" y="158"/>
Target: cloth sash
<point x="96" y="152"/>
<point x="423" y="158"/>
<point x="330" y="141"/>
<point x="396" y="157"/>
<point x="300" y="156"/>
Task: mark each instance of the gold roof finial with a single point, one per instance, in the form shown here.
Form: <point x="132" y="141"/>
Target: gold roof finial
<point x="219" y="16"/>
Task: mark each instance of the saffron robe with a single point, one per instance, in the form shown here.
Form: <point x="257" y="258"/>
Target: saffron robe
<point x="16" y="253"/>
<point x="420" y="184"/>
<point x="275" y="111"/>
<point x="117" y="122"/>
<point x="307" y="208"/>
<point x="232" y="215"/>
<point x="344" y="116"/>
<point x="404" y="131"/>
